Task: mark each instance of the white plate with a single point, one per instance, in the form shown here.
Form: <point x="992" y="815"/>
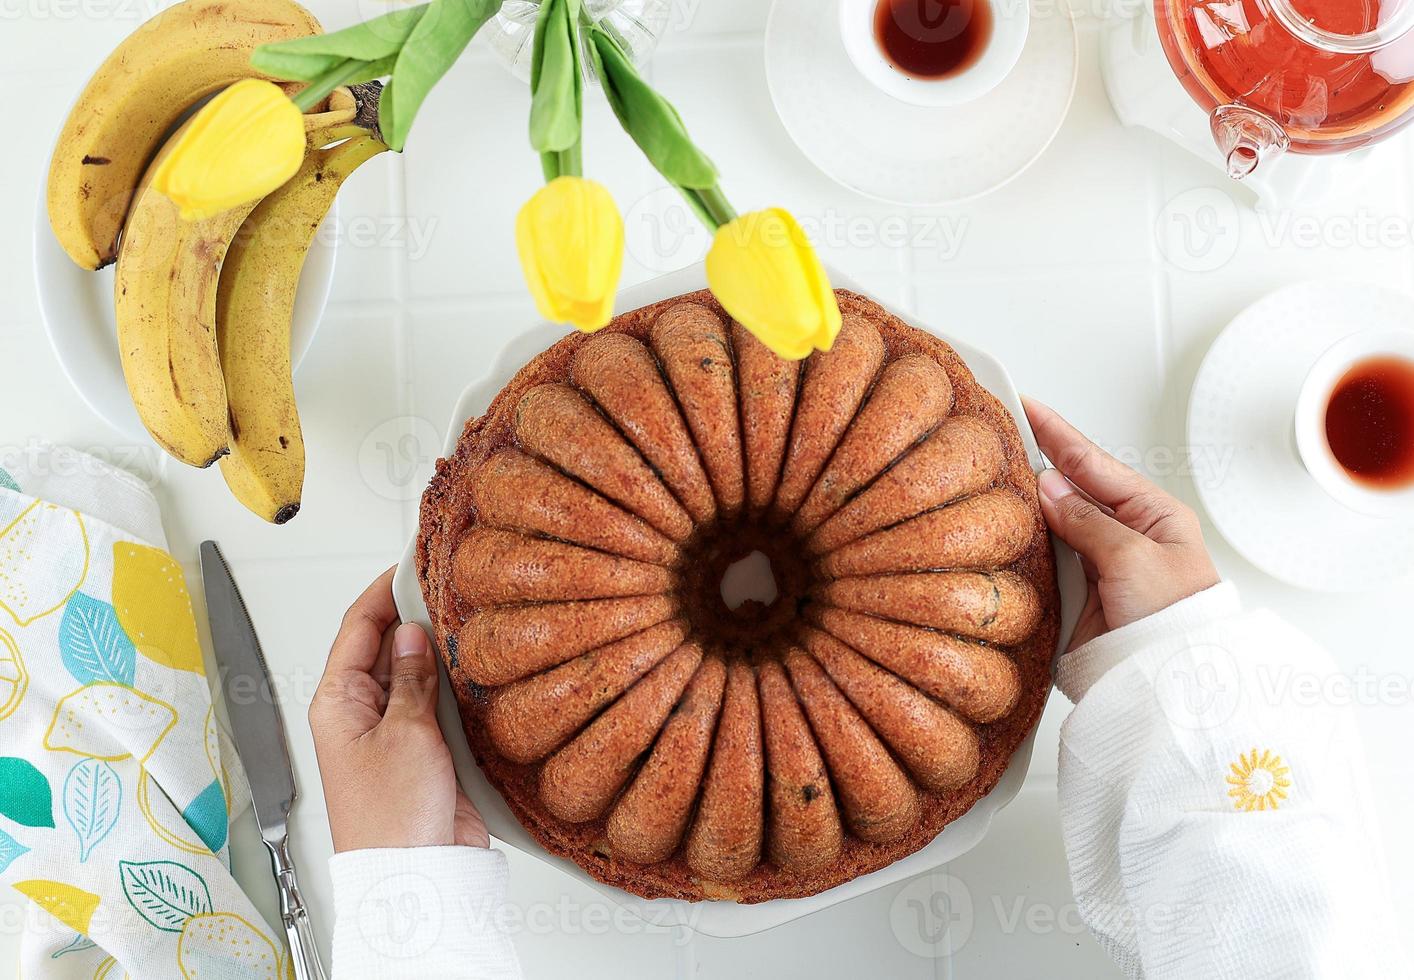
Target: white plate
<point x="1241" y="426"/>
<point x="906" y="154"/>
<point x="77" y="307"/>
<point x="717" y="918"/>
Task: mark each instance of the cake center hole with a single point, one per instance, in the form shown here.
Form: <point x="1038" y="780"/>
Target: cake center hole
<point x="749" y="580"/>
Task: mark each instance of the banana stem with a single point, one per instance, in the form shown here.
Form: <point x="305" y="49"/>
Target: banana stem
<point x="333" y="134"/>
<point x="316" y="91"/>
<point x="353" y="153"/>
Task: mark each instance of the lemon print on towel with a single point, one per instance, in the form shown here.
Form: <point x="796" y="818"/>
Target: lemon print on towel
<point x="154" y="608"/>
<point x="110" y="970"/>
<point x="224" y="946"/>
<point x="202" y="825"/>
<point x="72" y="906"/>
<point x="111" y="722"/>
<point x="43" y="561"/>
<point x="14" y="679"/>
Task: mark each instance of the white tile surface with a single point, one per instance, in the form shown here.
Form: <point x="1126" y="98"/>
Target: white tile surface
<point x="1064" y="274"/>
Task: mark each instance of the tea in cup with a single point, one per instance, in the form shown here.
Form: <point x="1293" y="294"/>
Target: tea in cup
<point x="1355" y="422"/>
<point x="934" y="52"/>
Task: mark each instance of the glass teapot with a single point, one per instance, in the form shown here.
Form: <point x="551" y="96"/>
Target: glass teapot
<point x="1309" y="76"/>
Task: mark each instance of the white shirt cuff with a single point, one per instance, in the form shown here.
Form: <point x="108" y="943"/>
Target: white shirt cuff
<point x="421" y="912"/>
<point x="1077" y="671"/>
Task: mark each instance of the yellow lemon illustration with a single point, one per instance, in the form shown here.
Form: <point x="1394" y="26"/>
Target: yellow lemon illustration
<point x="110" y="970"/>
<point x="164" y="819"/>
<point x="110" y="722"/>
<point x="71" y="906"/>
<point x="154" y="608"/>
<point x="214" y="756"/>
<point x="14" y="679"/>
<point x="224" y="946"/>
<point x="43" y="561"/>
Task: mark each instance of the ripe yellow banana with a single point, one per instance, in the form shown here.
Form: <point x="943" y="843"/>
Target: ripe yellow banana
<point x="254" y="304"/>
<point x="138" y="94"/>
<point x="165" y="301"/>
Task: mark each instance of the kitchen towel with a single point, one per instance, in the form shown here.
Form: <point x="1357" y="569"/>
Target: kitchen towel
<point x="117" y="784"/>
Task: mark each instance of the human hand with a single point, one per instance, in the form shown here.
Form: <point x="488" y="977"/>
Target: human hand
<point x="1141" y="548"/>
<point x="387" y="772"/>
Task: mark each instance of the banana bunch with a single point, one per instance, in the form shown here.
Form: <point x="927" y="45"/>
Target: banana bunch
<point x="203" y="307"/>
<point x="254" y="303"/>
<point x="151" y="80"/>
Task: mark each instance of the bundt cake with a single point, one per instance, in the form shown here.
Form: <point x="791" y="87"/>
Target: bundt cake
<point x="571" y="552"/>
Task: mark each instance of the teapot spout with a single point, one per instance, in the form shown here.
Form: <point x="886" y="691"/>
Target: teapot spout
<point x="1247" y="138"/>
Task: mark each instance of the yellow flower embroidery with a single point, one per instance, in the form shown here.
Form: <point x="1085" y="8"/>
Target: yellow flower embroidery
<point x="1259" y="782"/>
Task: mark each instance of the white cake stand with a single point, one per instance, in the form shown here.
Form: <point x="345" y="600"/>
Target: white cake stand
<point x="723" y="919"/>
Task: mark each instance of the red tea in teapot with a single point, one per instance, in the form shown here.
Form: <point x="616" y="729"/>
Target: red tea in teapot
<point x="1325" y="75"/>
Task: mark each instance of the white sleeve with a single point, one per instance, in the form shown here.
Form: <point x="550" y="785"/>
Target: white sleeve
<point x="421" y="913"/>
<point x="1214" y="801"/>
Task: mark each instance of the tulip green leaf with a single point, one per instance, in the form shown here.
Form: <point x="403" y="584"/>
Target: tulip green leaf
<point x="649" y="119"/>
<point x="430" y="50"/>
<point x="556" y="79"/>
<point x="306" y="59"/>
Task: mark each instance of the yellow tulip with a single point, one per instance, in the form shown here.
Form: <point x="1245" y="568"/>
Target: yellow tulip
<point x="571" y="243"/>
<point x="764" y="272"/>
<point x="239" y="147"/>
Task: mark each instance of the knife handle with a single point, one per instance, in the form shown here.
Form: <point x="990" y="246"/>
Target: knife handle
<point x="304" y="955"/>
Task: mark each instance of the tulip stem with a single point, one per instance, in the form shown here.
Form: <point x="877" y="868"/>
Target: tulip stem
<point x="715" y="203"/>
<point x="710" y="205"/>
<point x="316" y="91"/>
<point x="568" y="162"/>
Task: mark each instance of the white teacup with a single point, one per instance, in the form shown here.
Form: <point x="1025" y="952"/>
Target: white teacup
<point x="1311" y="405"/>
<point x="1011" y="20"/>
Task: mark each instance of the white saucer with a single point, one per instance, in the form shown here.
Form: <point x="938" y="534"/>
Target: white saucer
<point x="1241" y="433"/>
<point x="906" y="154"/>
<point x="77" y="308"/>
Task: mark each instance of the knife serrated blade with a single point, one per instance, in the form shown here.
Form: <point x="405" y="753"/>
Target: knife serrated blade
<point x="259" y="734"/>
<point x="256" y="724"/>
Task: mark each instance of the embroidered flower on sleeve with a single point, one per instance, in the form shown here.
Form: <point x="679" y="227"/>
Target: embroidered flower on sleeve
<point x="1258" y="781"/>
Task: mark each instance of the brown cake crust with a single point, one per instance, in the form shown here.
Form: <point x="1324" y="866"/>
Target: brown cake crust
<point x="999" y="694"/>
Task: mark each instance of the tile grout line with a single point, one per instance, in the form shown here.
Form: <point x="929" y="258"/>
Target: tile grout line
<point x="460" y="302"/>
<point x="404" y="347"/>
<point x="1161" y="296"/>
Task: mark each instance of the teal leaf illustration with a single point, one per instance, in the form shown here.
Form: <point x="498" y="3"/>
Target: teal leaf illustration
<point x="93" y="644"/>
<point x="207" y="816"/>
<point x="164" y="893"/>
<point x="92" y="796"/>
<point x="25" y="796"/>
<point x="78" y="944"/>
<point x="9" y="850"/>
<point x="7" y="481"/>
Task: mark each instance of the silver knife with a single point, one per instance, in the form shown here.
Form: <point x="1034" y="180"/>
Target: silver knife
<point x="259" y="733"/>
